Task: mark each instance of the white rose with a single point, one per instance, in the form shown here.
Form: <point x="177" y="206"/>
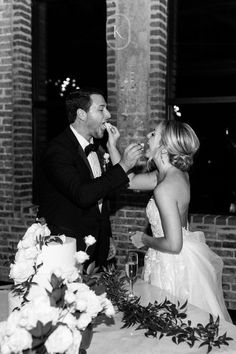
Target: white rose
<point x="28" y="317"/>
<point x="28" y="253"/>
<point x="32" y="231"/>
<point x="39" y="309"/>
<point x="60" y="340"/>
<point x="69" y="297"/>
<point x="83" y="321"/>
<point x="3" y="326"/>
<point x="89" y="240"/>
<point x="35" y="230"/>
<point x="27" y="242"/>
<point x="78" y="287"/>
<point x="72" y="275"/>
<point x="81" y="257"/>
<point x="39" y="229"/>
<point x="41" y="301"/>
<point x="35" y="291"/>
<point x="31" y="316"/>
<point x="80" y="304"/>
<point x="92" y="300"/>
<point x="21" y="271"/>
<point x="48" y="314"/>
<point x="17" y="342"/>
<point x="76" y="342"/>
<point x="93" y="304"/>
<point x="108" y="307"/>
<point x="69" y="319"/>
<point x="4" y="348"/>
<point x="12" y="322"/>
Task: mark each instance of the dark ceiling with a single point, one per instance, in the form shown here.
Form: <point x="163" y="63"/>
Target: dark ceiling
<point x="77" y="40"/>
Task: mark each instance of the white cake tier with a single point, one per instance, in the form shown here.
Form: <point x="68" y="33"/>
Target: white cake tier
<point x="56" y="255"/>
<point x="53" y="257"/>
<point x="16" y="301"/>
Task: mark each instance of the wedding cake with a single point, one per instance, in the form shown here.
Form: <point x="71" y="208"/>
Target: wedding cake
<point x="38" y="255"/>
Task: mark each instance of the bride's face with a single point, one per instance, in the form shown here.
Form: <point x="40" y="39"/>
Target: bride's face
<point x="154" y="142"/>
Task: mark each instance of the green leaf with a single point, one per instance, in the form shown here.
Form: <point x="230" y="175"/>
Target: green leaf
<point x="209" y="349"/>
<point x="184" y="305"/>
<point x="203" y="343"/>
<point x="41" y="330"/>
<point x="90" y="268"/>
<point x="55" y="281"/>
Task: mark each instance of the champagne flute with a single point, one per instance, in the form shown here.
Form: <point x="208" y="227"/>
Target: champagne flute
<point x="131" y="269"/>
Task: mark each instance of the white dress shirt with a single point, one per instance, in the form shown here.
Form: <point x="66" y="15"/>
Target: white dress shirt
<point x="92" y="158"/>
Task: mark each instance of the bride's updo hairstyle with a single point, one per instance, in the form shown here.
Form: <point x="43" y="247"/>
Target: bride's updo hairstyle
<point x="180" y="142"/>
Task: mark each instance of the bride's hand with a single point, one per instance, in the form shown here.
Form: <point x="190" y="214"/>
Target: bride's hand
<point x="136" y="239"/>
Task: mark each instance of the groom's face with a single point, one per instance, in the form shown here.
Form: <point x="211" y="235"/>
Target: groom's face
<point x="97" y="116"/>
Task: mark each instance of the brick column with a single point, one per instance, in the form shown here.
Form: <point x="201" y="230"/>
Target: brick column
<point x="16" y="124"/>
<point x="136" y="68"/>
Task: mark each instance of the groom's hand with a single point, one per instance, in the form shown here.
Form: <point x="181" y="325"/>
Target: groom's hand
<point x="131" y="154"/>
<point x="113" y="135"/>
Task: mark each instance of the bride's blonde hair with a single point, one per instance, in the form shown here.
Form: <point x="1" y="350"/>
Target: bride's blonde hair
<point x="180" y="141"/>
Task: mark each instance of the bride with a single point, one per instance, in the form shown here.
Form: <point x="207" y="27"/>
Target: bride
<point x="178" y="260"/>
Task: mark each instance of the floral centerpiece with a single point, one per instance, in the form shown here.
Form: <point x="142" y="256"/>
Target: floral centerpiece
<point x="53" y="321"/>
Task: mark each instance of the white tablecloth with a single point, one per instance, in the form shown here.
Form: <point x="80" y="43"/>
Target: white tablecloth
<point x="114" y="340"/>
<point x="110" y="338"/>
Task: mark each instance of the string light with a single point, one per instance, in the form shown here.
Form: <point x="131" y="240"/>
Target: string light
<point x="177" y="111"/>
<point x="63" y="86"/>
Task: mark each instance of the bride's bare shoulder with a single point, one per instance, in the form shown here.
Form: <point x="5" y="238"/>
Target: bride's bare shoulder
<point x="173" y="185"/>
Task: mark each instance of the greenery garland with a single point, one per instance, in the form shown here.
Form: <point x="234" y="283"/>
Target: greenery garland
<point x="165" y="318"/>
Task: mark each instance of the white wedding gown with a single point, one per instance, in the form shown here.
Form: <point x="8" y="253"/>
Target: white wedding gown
<point x="194" y="274"/>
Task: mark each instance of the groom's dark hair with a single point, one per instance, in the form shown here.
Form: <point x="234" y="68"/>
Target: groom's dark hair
<point x="80" y="99"/>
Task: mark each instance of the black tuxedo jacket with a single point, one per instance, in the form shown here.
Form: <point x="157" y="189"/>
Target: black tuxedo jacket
<point x="69" y="195"/>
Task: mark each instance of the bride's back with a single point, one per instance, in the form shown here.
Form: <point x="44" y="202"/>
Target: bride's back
<point x="176" y="183"/>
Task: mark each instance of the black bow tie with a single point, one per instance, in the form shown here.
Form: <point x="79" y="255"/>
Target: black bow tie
<point x="89" y="148"/>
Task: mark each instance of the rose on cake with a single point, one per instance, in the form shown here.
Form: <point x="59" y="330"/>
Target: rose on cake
<point x="52" y="321"/>
<point x="27" y="253"/>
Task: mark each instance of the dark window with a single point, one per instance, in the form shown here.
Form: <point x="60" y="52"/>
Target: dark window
<point x="69" y="51"/>
<point x="202" y="76"/>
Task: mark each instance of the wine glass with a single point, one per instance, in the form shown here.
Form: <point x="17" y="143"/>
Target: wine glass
<point x="131" y="269"/>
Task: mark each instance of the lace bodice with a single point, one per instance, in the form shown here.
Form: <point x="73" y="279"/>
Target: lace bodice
<point x="154" y="218"/>
<point x="156" y="226"/>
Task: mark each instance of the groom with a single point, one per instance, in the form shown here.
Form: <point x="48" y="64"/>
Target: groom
<point x="73" y="197"/>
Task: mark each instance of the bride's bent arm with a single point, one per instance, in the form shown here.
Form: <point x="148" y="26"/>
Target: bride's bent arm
<point x="172" y="241"/>
<point x="141" y="181"/>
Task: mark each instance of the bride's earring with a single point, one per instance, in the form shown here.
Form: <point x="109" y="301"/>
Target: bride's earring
<point x="162" y="153"/>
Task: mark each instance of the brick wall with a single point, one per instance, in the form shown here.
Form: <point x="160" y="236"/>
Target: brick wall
<point x="136" y="92"/>
<point x="15" y="125"/>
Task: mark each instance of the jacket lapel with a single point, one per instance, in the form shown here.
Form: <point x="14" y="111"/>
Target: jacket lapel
<point x="79" y="149"/>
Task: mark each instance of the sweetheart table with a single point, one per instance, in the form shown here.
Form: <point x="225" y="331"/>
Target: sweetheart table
<point x="108" y="337"/>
